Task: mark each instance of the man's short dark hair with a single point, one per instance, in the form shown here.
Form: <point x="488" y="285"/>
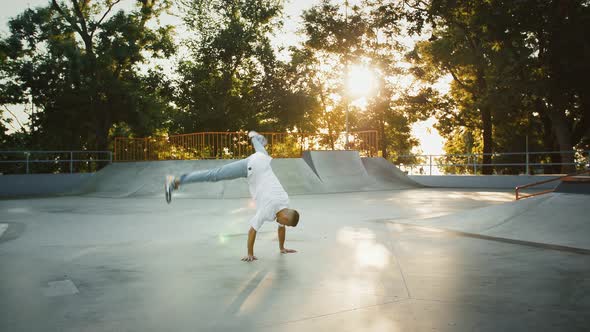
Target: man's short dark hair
<point x="293" y="217"/>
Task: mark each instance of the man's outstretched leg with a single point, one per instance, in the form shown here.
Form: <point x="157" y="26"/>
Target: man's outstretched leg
<point x="258" y="141"/>
<point x="235" y="170"/>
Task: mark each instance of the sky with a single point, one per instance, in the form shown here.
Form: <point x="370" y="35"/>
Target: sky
<point x="430" y="140"/>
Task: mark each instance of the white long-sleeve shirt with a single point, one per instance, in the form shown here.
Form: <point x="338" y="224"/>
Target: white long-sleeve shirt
<point x="266" y="190"/>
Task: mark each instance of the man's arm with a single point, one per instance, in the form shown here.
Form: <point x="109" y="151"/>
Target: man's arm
<point x="251" y="239"/>
<point x="281" y="232"/>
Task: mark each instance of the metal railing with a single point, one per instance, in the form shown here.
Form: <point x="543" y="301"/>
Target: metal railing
<point x="509" y="163"/>
<point x="236" y="145"/>
<point x="519" y="188"/>
<point x="18" y="162"/>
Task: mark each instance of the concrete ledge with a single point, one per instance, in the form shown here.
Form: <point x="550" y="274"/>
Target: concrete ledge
<point x="40" y="184"/>
<point x="484" y="181"/>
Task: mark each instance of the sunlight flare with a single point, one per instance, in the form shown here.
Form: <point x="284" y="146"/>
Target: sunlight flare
<point x="361" y="81"/>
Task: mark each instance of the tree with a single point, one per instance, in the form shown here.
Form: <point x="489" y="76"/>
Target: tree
<point x="510" y="61"/>
<point x="232" y="79"/>
<point x="560" y="68"/>
<point x="78" y="61"/>
<point x="339" y="38"/>
<point x="458" y="47"/>
<point x="308" y="77"/>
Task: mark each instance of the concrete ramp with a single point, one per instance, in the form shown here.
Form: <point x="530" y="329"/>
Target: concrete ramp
<point x="574" y="185"/>
<point x="143" y="179"/>
<point x="318" y="172"/>
<point x="557" y="219"/>
<point x="387" y="174"/>
<point x="147" y="179"/>
<point x="342" y="171"/>
<point x="297" y="177"/>
<point x="115" y="180"/>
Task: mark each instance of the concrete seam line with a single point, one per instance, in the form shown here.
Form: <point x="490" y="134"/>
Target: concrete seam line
<point x="540" y="245"/>
<point x="540" y="201"/>
<point x="336" y="312"/>
<point x="399" y="266"/>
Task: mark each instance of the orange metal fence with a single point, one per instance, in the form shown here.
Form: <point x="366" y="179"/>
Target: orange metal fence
<point x="236" y="145"/>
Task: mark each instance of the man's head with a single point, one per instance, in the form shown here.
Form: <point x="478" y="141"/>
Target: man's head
<point x="288" y="217"/>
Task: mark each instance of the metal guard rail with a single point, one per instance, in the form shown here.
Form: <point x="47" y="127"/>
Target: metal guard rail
<point x="521" y="196"/>
<point x="235" y="145"/>
<point x="71" y="160"/>
<point x="474" y="160"/>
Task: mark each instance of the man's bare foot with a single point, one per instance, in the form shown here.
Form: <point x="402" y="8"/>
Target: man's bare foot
<point x="288" y="251"/>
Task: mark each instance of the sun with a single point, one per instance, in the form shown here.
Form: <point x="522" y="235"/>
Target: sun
<point x="361" y="81"/>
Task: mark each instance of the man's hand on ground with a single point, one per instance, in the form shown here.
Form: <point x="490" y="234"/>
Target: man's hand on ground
<point x="249" y="258"/>
<point x="287" y="251"/>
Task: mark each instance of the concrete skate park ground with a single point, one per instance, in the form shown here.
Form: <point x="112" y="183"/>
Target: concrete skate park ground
<point x="84" y="263"/>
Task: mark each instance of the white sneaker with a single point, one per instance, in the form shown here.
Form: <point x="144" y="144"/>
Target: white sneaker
<point x="255" y="135"/>
<point x="169" y="188"/>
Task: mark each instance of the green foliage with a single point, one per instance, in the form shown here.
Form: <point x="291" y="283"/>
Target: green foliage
<point x="461" y="146"/>
<point x="288" y="148"/>
<point x="232" y="79"/>
<point x="78" y="61"/>
<point x="518" y="71"/>
<point x="337" y="38"/>
<point x="516" y="67"/>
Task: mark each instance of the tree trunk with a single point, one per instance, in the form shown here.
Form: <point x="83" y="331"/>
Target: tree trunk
<point x="326" y="118"/>
<point x="105" y="126"/>
<point x="548" y="141"/>
<point x="557" y="112"/>
<point x="564" y="140"/>
<point x="383" y="138"/>
<point x="581" y="130"/>
<point x="486" y="119"/>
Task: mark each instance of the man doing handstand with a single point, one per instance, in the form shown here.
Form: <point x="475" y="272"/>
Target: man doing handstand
<point x="271" y="199"/>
